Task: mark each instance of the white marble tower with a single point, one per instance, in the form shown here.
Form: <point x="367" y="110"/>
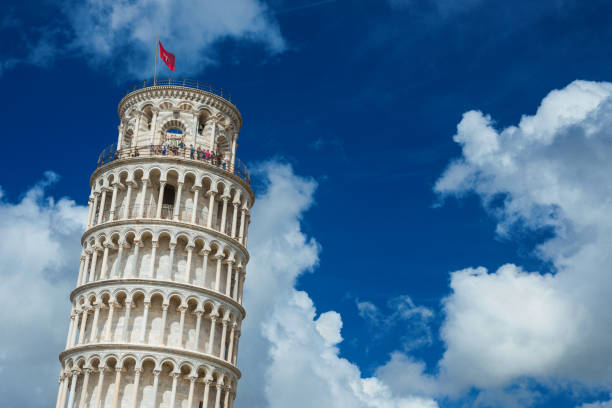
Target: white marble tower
<point x="157" y="308"/>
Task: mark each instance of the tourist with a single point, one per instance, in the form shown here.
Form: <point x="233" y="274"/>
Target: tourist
<point x="191" y="152"/>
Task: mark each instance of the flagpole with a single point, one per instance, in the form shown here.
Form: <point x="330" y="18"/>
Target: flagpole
<point x="155" y="69"/>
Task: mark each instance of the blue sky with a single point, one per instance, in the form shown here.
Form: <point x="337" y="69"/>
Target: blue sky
<point x="362" y="99"/>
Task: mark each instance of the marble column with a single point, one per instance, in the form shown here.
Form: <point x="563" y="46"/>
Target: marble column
<point x="211" y="208"/>
<point x="109" y="321"/>
<point x="98" y="399"/>
<point x="228" y="277"/>
<point x="174" y="384"/>
<point x="235" y="218"/>
<point x="81" y="265"/>
<point x="196" y="192"/>
<point x="94" y="261"/>
<point x="160" y="199"/>
<point x="155" y="387"/>
<point x="84" y="388"/>
<point x="188" y="266"/>
<point x="230" y="350"/>
<point x="104" y="261"/>
<point x="75" y="376"/>
<point x="102" y="203"/>
<point x="116" y="269"/>
<point x="127" y="201"/>
<point x="143" y="190"/>
<point x="94" y="324"/>
<point x="137" y="372"/>
<point x="204" y="254"/>
<point x="219" y="388"/>
<point x="145" y="319"/>
<point x="116" y="387"/>
<point x="242" y="222"/>
<point x="223" y="337"/>
<point x="225" y="199"/>
<point x="198" y="314"/>
<point x="83" y="324"/>
<point x="113" y="202"/>
<point x="192" y="380"/>
<point x="219" y="258"/>
<point x="126" y="320"/>
<point x="134" y="273"/>
<point x="171" y="260"/>
<point x="75" y="330"/>
<point x="163" y="324"/>
<point x="154" y="246"/>
<point x="211" y="338"/>
<point x="177" y="202"/>
<point x="207" y="383"/>
<point x="181" y="309"/>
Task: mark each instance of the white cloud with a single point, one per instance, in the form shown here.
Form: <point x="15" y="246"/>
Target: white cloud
<point x="598" y="404"/>
<point x="120" y="35"/>
<point x="38" y="266"/>
<point x="288" y="355"/>
<point x="551" y="171"/>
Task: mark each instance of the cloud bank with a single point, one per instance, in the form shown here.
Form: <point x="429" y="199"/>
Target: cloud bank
<point x="549" y="173"/>
<point x="289" y="352"/>
<point x="39" y="259"/>
<point x="121" y="34"/>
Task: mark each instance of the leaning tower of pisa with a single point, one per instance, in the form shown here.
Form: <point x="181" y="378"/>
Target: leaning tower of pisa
<point x="157" y="308"/>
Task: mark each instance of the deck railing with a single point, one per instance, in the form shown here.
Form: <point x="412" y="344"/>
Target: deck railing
<point x="183" y="82"/>
<point x="111" y="154"/>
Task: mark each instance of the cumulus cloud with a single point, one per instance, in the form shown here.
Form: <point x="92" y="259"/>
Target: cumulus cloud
<point x="550" y="172"/>
<point x="122" y="33"/>
<point x="38" y="268"/>
<point x="288" y="352"/>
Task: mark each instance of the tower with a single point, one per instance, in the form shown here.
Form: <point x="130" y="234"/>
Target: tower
<point x="157" y="309"/>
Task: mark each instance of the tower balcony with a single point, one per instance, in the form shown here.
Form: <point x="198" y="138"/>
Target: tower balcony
<point x="180" y="82"/>
<point x="237" y="168"/>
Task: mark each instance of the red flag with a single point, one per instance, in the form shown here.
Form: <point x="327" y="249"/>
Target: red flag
<point x="166" y="56"/>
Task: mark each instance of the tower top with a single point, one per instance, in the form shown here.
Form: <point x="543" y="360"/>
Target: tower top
<point x="175" y="118"/>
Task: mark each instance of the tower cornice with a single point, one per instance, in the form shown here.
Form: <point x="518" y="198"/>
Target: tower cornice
<point x="158" y="283"/>
<point x="125" y="347"/>
<point x="180" y="224"/>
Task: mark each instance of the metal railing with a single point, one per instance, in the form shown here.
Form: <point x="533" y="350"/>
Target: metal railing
<point x="110" y="154"/>
<point x="184" y="82"/>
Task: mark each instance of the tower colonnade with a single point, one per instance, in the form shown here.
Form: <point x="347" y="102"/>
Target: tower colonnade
<point x="161" y="191"/>
<point x="156" y="314"/>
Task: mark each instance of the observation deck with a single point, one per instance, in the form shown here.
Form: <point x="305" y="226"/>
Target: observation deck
<point x="111" y="154"/>
<point x="184" y="83"/>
